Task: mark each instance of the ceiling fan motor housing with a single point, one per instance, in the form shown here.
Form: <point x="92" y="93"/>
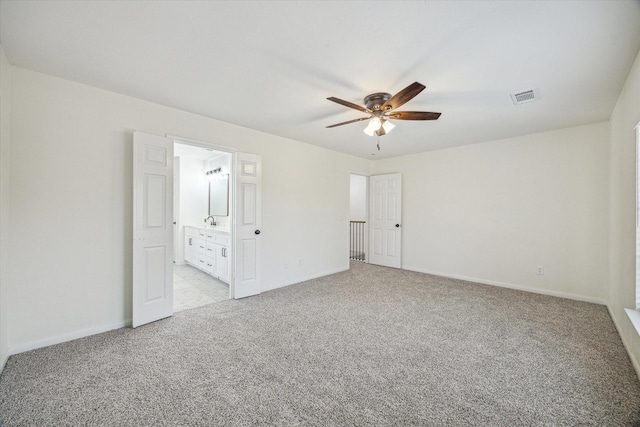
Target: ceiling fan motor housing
<point x="374" y="101"/>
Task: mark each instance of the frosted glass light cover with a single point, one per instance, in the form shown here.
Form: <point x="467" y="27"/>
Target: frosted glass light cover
<point x="388" y="126"/>
<point x="373" y="126"/>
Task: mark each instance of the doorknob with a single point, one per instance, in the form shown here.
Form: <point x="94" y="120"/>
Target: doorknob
<point x="397" y="225"/>
<point x="257" y="231"/>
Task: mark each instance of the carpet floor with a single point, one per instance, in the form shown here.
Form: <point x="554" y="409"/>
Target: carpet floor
<point x="369" y="346"/>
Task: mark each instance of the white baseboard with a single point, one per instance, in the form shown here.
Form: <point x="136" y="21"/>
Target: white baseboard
<point x="3" y="363"/>
<point x="305" y="278"/>
<point x="511" y="286"/>
<point x="624" y="339"/>
<point x="66" y="337"/>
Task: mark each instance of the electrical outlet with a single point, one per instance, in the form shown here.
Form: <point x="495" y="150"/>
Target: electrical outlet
<point x="539" y="270"/>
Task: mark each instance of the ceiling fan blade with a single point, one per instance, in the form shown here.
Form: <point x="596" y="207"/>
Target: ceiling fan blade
<point x="349" y="104"/>
<point x="413" y="115"/>
<point x="350" y="121"/>
<point x="402" y="97"/>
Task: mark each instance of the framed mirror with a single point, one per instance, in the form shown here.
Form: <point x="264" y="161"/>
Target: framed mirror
<point x="219" y="195"/>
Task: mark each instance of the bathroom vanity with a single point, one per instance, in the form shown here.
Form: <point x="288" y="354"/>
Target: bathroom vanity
<point x="208" y="249"/>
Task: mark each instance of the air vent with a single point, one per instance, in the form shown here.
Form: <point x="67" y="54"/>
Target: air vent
<point x="524" y="96"/>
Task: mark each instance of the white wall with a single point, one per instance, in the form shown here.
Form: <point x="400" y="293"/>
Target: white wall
<point x="624" y="118"/>
<point x="490" y="212"/>
<point x="5" y="121"/>
<point x="192" y="197"/>
<point x="493" y="212"/>
<point x="358" y="201"/>
<point x="71" y="204"/>
<point x="194" y="189"/>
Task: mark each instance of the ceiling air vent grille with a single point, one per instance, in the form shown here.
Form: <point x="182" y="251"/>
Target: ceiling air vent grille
<point x="524" y="97"/>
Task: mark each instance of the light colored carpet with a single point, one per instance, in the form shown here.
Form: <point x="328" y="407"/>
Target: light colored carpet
<point x="371" y="346"/>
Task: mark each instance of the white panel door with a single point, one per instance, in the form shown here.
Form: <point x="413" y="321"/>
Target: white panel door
<point x="385" y="231"/>
<point x="247" y="247"/>
<point x="152" y="228"/>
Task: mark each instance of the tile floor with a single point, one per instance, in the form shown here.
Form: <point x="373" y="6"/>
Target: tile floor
<point x="193" y="288"/>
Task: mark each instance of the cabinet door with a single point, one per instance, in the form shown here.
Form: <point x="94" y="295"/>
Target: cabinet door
<point x="223" y="264"/>
<point x="191" y="250"/>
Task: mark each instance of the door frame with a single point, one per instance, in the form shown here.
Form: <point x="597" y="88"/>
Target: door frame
<point x="176" y="203"/>
<point x="232" y="196"/>
<point x="387" y="226"/>
<point x="366" y="215"/>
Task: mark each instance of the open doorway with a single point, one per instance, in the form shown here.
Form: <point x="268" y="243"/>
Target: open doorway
<point x="358" y="229"/>
<point x="237" y="248"/>
<point x="202" y="226"/>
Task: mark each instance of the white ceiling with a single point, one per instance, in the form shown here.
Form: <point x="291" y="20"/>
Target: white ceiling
<point x="270" y="65"/>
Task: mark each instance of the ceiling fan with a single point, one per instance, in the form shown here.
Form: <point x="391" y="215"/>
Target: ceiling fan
<point x="381" y="106"/>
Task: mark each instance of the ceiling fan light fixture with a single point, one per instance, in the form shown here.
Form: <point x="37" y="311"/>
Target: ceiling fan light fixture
<point x="378" y="127"/>
<point x="373" y="126"/>
<point x="387" y="126"/>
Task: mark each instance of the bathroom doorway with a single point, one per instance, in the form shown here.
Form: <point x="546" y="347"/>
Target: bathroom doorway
<point x="202" y="225"/>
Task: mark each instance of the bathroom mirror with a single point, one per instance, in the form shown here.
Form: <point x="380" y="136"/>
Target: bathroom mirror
<point x="219" y="195"/>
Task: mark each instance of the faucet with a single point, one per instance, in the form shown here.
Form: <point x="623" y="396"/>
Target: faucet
<point x="213" y="220"/>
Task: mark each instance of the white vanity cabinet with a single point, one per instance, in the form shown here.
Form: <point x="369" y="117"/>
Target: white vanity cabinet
<point x="193" y="243"/>
<point x="223" y="260"/>
<point x="208" y="250"/>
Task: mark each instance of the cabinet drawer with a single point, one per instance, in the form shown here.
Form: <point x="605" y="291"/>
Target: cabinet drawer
<point x="210" y="264"/>
<point x="210" y="249"/>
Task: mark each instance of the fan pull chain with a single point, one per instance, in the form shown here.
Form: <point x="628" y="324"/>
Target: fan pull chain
<point x="378" y="143"/>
